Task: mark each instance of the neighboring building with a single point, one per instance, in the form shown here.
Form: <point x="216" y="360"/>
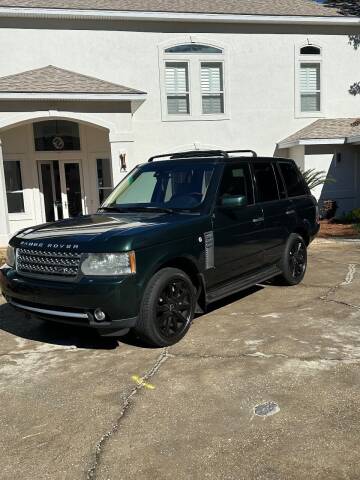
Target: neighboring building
<point x="270" y="76"/>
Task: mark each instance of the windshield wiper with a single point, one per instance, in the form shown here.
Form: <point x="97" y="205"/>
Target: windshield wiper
<point x="111" y="209"/>
<point x="144" y="208"/>
<point x="149" y="208"/>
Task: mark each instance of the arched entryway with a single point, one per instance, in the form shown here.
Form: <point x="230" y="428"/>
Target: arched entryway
<point x="74" y="163"/>
<point x="54" y="168"/>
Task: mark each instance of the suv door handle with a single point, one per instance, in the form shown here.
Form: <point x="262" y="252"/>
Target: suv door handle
<point x="290" y="212"/>
<point x="258" y="220"/>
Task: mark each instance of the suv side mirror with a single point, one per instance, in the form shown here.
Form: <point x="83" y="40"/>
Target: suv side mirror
<point x="233" y="201"/>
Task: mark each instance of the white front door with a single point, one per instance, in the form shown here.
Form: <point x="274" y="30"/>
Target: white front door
<point x="61" y="188"/>
<point x="71" y="188"/>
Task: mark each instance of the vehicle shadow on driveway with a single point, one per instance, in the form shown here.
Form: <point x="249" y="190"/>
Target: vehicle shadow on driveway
<point x="18" y="324"/>
<point x="30" y="328"/>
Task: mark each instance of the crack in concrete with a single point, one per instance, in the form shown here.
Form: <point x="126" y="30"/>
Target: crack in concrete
<point x="350" y="275"/>
<point x="347" y="281"/>
<point x="341" y="302"/>
<point x="264" y="356"/>
<point x="330" y="291"/>
<point x="325" y="298"/>
<point x="227" y="357"/>
<point x="99" y="448"/>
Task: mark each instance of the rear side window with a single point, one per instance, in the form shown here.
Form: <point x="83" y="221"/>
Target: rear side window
<point x="266" y="182"/>
<point x="295" y="184"/>
<point x="237" y="181"/>
<point x="280" y="183"/>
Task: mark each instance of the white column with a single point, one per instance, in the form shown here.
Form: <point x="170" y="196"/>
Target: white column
<point x="4" y="219"/>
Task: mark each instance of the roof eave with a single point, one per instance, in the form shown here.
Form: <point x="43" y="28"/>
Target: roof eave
<point x="312" y="141"/>
<point x="114" y="97"/>
<point x="63" y="13"/>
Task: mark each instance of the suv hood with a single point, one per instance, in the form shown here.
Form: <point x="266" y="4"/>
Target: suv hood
<point x="112" y="232"/>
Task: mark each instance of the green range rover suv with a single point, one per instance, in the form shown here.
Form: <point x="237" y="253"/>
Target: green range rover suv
<point x="178" y="233"/>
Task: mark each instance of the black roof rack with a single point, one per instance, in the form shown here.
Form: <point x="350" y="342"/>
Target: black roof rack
<point x="201" y="154"/>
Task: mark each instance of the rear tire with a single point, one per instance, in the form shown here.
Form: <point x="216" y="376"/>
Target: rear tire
<point x="294" y="262"/>
<point x="167" y="308"/>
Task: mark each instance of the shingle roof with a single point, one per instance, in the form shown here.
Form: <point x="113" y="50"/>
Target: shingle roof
<point x="326" y="128"/>
<point x="52" y="79"/>
<point x="241" y="7"/>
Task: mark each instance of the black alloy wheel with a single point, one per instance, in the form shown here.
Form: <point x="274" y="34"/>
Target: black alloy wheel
<point x="294" y="260"/>
<point x="167" y="307"/>
<point x="173" y="311"/>
<point x="297" y="259"/>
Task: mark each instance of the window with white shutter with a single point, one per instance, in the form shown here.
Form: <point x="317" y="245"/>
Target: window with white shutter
<point x="193" y="82"/>
<point x="212" y="88"/>
<point x="177" y="88"/>
<point x="310" y="93"/>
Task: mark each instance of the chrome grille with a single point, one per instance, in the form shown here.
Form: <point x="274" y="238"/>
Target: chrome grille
<point x="39" y="262"/>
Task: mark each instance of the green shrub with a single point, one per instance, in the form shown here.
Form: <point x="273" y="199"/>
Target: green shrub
<point x="352" y="217"/>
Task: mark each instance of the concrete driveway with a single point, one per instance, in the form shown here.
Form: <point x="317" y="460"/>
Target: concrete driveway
<point x="265" y="386"/>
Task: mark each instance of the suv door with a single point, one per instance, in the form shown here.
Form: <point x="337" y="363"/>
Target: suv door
<point x="303" y="204"/>
<point x="237" y="228"/>
<point x="277" y="208"/>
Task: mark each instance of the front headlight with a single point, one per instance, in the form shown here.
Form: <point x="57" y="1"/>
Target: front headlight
<point x="10" y="256"/>
<point x="109" y="264"/>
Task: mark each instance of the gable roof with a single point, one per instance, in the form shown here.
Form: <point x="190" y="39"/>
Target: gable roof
<point x="331" y="130"/>
<point x="237" y="7"/>
<point x="56" y="82"/>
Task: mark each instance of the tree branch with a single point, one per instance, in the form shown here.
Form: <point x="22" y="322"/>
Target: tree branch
<point x="348" y="8"/>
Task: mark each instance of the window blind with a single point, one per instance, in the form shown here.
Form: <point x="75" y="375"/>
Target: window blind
<point x="212" y="89"/>
<point x="177" y="87"/>
<point x="310" y="87"/>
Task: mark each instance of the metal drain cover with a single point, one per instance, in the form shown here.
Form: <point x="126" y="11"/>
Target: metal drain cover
<point x="267" y="409"/>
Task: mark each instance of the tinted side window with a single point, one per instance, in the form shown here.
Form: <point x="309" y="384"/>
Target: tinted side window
<point x="280" y="182"/>
<point x="295" y="184"/>
<point x="237" y="181"/>
<point x="266" y="182"/>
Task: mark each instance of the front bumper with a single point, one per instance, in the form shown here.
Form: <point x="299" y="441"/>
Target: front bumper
<point x="74" y="303"/>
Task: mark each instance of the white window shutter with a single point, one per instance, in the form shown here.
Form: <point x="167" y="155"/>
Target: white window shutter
<point x="176" y="79"/>
<point x="211" y="78"/>
<point x="212" y="88"/>
<point x="177" y="87"/>
<point x="310" y="87"/>
<point x="309" y="77"/>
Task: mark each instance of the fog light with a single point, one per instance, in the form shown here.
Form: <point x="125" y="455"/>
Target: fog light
<point x="99" y="315"/>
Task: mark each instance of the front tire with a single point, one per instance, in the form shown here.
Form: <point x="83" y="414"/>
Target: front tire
<point x="294" y="261"/>
<point x="167" y="309"/>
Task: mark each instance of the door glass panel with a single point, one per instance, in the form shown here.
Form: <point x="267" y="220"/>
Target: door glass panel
<point x="57" y="183"/>
<point x="266" y="182"/>
<point x="236" y="182"/>
<point x="48" y="192"/>
<point x="73" y="189"/>
<point x="293" y="180"/>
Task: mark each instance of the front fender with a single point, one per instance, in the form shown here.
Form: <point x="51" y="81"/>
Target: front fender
<point x="190" y="250"/>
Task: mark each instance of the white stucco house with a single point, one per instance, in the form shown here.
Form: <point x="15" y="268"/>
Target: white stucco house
<point x="90" y="88"/>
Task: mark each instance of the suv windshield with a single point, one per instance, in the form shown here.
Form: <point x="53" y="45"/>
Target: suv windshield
<point x="162" y="186"/>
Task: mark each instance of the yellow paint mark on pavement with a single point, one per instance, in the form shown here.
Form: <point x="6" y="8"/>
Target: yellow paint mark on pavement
<point x="140" y="381"/>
